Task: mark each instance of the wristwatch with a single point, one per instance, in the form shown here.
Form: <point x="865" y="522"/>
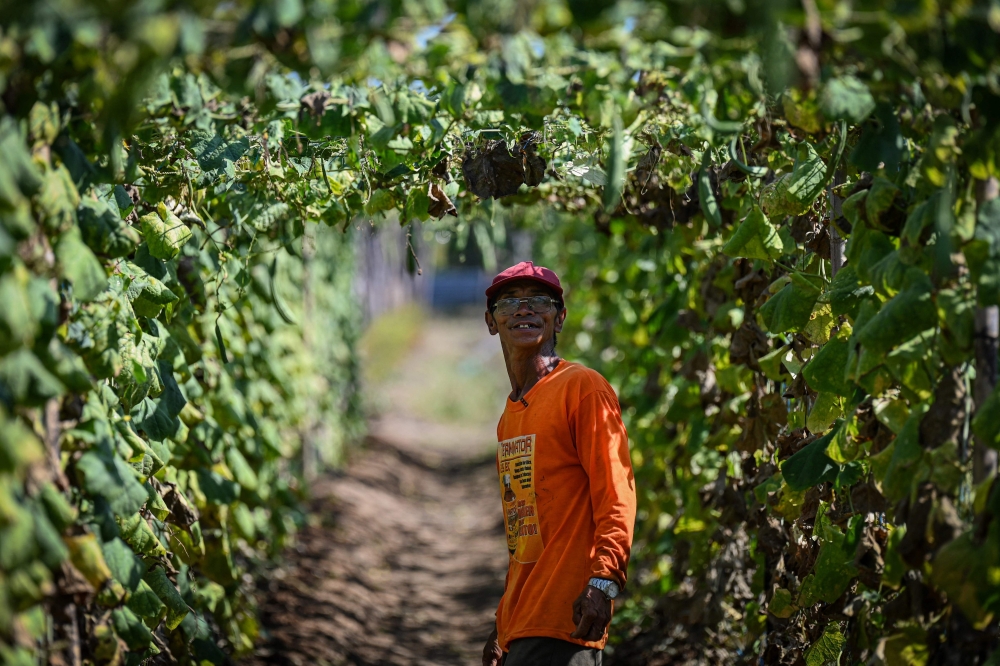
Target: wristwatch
<point x="608" y="587"/>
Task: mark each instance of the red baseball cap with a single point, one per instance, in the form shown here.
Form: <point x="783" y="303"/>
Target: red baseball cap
<point x="525" y="271"/>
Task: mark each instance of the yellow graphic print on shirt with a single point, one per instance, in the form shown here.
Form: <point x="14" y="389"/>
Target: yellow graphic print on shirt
<point x="516" y="463"/>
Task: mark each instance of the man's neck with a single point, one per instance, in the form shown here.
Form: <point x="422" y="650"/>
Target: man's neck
<point x="526" y="369"/>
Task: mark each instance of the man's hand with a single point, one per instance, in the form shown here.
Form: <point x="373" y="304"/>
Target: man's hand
<point x="591" y="613"/>
<point x="492" y="654"/>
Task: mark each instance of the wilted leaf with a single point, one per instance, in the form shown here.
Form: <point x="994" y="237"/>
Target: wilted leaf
<point x="494" y="172"/>
<point x="85" y="554"/>
<point x="440" y="205"/>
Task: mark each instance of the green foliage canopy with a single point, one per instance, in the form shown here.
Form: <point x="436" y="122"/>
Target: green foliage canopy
<point x="159" y="159"/>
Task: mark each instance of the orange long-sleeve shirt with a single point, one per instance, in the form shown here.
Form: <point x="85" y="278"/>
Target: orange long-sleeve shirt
<point x="568" y="496"/>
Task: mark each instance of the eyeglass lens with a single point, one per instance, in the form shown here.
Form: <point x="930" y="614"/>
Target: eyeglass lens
<point x="537" y="304"/>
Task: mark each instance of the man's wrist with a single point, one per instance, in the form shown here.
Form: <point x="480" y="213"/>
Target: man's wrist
<point x="607" y="587"/>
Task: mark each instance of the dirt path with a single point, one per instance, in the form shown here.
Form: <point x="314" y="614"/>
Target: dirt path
<point x="406" y="563"/>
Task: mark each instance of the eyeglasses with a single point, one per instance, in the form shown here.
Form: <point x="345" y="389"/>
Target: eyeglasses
<point x="537" y="304"/>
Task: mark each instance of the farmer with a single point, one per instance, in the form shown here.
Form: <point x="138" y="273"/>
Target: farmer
<point x="565" y="481"/>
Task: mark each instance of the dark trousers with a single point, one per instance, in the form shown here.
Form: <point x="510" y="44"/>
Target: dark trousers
<point x="550" y="652"/>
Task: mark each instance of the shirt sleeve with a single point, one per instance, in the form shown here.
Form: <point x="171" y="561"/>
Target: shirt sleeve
<point x="602" y="445"/>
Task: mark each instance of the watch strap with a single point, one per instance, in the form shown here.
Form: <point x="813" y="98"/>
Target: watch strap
<point x="609" y="588"/>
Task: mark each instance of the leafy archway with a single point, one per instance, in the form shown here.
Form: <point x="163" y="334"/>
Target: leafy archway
<point x="780" y="223"/>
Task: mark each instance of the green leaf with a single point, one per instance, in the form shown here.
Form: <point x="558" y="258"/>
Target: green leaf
<point x="263" y="218"/>
<point x="781" y="605"/>
<point x="866" y="248"/>
<point x="755" y="238"/>
<point x="381" y="200"/>
<point x="19" y="447"/>
<point x="51" y="548"/>
<point x="216" y="157"/>
<point x="159" y="417"/>
<point x="417" y="205"/>
<point x="986" y="423"/>
<point x="811" y="465"/>
<point x="110" y="477"/>
<point x="168" y="594"/>
<point x="825" y="371"/>
<point x="57" y="201"/>
<point x="899" y="477"/>
<point x="881" y="197"/>
<point x="26" y="381"/>
<point x="104" y="231"/>
<point x="145" y="603"/>
<point x="908" y="647"/>
<point x="137" y="533"/>
<point x="241" y="469"/>
<point x="125" y="566"/>
<point x="790" y="309"/>
<point x="17" y="539"/>
<point x="827" y="649"/>
<point x="963" y="568"/>
<point x="834" y="568"/>
<point x="57" y="507"/>
<point x="853" y="208"/>
<point x="79" y="265"/>
<point x="164" y="233"/>
<point x="772" y="366"/>
<point x="826" y="409"/>
<point x="808" y="176"/>
<point x="18" y="324"/>
<point x="130" y="629"/>
<point x="217" y="489"/>
<point x="846" y="98"/>
<point x="881" y="143"/>
<point x="908" y="314"/>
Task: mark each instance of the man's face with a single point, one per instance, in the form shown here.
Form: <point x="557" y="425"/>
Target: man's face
<point x="524" y="328"/>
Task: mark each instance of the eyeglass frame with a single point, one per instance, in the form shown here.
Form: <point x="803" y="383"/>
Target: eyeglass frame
<point x="552" y="303"/>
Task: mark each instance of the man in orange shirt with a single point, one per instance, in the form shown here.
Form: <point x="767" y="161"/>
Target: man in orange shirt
<point x="566" y="483"/>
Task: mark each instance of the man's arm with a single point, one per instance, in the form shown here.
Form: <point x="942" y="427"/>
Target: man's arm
<point x="492" y="654"/>
<point x="602" y="445"/>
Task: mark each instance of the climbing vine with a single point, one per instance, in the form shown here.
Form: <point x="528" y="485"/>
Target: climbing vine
<point x="779" y="228"/>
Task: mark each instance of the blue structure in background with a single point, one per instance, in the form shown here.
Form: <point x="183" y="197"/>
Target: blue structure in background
<point x="458" y="287"/>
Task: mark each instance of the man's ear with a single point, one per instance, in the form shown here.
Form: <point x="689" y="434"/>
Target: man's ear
<point x="491" y="323"/>
<point x="560" y="320"/>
